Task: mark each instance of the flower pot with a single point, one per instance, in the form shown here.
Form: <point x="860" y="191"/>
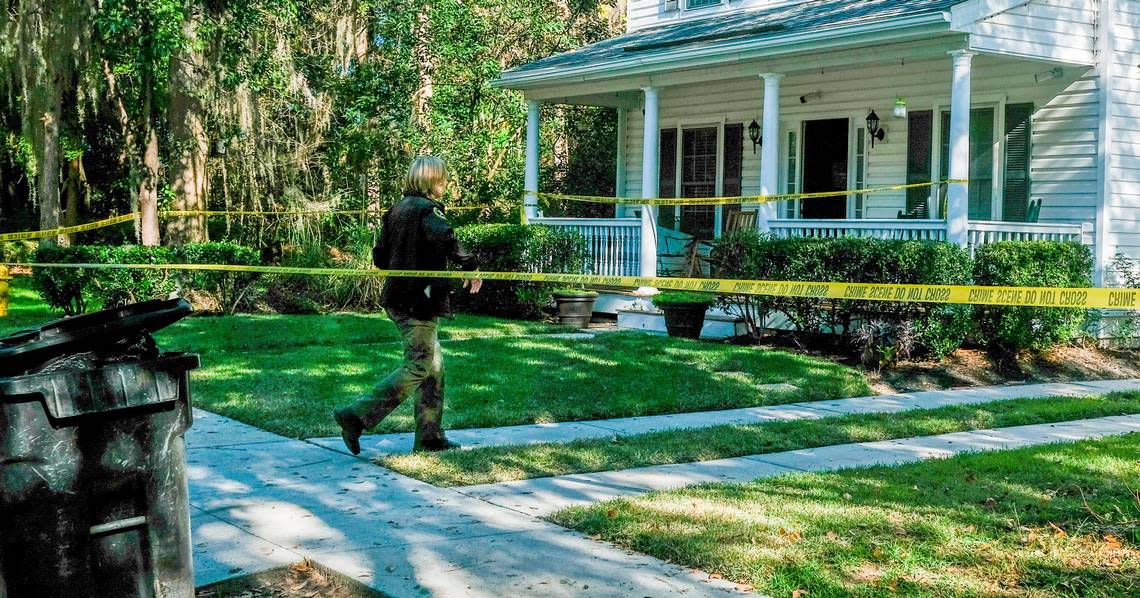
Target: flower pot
<point x="685" y="321"/>
<point x="575" y="310"/>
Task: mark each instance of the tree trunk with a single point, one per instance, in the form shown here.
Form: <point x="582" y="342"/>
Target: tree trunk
<point x="148" y="188"/>
<point x="47" y="189"/>
<point x="188" y="179"/>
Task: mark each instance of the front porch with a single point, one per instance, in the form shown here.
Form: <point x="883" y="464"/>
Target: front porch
<point x="928" y="128"/>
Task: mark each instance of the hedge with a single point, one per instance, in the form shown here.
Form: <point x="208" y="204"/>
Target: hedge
<point x="1009" y="330"/>
<point x="908" y="327"/>
<point x="73" y="290"/>
<point x="518" y="248"/>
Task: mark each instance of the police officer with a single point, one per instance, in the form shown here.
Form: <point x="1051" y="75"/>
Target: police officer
<point x="416" y="236"/>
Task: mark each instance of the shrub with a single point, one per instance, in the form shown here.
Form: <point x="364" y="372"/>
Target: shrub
<point x="1007" y="331"/>
<point x="930" y="330"/>
<point x="17" y="251"/>
<point x="518" y="248"/>
<point x="231" y="289"/>
<point x="74" y="290"/>
<point x="666" y="299"/>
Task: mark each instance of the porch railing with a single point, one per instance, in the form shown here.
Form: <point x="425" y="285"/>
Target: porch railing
<point x="927" y="230"/>
<point x="613" y="245"/>
<point x="982" y="233"/>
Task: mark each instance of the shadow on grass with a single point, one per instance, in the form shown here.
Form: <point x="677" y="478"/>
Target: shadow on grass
<point x="968" y="526"/>
<point x="515" y="380"/>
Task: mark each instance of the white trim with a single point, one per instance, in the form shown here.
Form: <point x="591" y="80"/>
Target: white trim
<point x="966" y="14"/>
<point x="920" y="27"/>
<point x="1106" y="42"/>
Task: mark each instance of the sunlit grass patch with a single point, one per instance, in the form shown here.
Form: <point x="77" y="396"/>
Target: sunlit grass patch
<point x="1058" y="520"/>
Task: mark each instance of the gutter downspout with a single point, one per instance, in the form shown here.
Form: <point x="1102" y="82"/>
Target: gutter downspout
<point x="1106" y="44"/>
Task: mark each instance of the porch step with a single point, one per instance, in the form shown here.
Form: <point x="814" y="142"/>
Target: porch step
<point x="718" y="325"/>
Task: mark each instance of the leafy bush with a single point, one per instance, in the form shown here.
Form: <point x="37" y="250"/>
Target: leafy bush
<point x="683" y="299"/>
<point x="231" y="289"/>
<point x="1009" y="330"/>
<point x="17" y="251"/>
<point x="572" y="292"/>
<point x="518" y="248"/>
<point x="73" y="290"/>
<point x="929" y="329"/>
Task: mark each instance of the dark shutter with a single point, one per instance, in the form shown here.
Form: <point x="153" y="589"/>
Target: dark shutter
<point x="1018" y="135"/>
<point x="667" y="180"/>
<point x="919" y="138"/>
<point x="733" y="159"/>
<point x="733" y="167"/>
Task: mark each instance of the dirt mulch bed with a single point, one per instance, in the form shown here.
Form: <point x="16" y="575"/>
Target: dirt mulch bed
<point x="300" y="580"/>
<point x="970" y="367"/>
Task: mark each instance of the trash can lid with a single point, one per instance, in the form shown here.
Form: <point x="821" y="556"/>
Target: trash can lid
<point x="28" y="348"/>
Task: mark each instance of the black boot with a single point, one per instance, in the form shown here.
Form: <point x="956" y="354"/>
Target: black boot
<point x="350" y="429"/>
<point x="436" y="445"/>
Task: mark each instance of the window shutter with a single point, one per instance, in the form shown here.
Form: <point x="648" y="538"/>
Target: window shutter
<point x="733" y="159"/>
<point x="919" y="137"/>
<point x="1018" y="142"/>
<point x="733" y="168"/>
<point x="667" y="178"/>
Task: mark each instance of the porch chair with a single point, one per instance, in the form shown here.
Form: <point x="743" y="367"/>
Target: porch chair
<point x="740" y="220"/>
<point x="1034" y="210"/>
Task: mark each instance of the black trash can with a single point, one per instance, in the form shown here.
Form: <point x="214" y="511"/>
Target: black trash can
<point x="92" y="459"/>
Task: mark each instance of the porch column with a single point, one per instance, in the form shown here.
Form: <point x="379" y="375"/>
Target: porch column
<point x="958" y="193"/>
<point x="649" y="183"/>
<point x="770" y="150"/>
<point x="530" y="184"/>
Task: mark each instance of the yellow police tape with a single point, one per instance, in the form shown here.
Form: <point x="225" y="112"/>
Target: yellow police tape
<point x="1091" y="298"/>
<point x="116" y="220"/>
<point x="748" y="199"/>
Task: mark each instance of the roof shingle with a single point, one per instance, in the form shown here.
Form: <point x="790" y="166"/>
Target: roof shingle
<point x="755" y="24"/>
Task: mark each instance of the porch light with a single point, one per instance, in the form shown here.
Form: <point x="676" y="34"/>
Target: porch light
<point x="754" y="135"/>
<point x="873" y="128"/>
<point x="900" y="107"/>
<point x="1049" y="75"/>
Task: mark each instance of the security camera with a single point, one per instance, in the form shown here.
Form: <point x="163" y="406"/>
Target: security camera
<point x="815" y="95"/>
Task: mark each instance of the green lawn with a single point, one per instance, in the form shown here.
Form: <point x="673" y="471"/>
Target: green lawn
<point x="24" y="308"/>
<point x="286" y="373"/>
<point x="1058" y="520"/>
<point x="502" y="464"/>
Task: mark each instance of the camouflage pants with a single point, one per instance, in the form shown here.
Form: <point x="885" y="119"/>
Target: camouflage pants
<point x="421" y="372"/>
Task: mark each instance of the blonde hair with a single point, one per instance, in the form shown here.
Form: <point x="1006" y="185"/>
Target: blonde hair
<point x="425" y="175"/>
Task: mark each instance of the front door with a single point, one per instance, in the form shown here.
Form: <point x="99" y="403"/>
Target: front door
<point x="825" y="167"/>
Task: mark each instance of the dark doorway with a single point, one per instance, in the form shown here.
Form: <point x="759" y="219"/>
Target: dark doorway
<point x="825" y="167"/>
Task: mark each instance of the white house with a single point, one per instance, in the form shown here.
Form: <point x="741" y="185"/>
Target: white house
<point x="1034" y="103"/>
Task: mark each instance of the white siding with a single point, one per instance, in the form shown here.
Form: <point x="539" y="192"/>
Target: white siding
<point x="1123" y="201"/>
<point x="648" y="13"/>
<point x="1061" y="30"/>
<point x="1064" y="139"/>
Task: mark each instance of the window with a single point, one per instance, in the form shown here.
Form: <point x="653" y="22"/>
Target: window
<point x="698" y="179"/>
<point x="982" y="141"/>
<point x="691" y="4"/>
<point x="792" y="174"/>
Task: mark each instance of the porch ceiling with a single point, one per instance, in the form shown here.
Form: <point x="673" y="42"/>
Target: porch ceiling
<point x="800" y="27"/>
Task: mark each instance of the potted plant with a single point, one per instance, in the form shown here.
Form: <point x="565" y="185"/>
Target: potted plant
<point x="684" y="311"/>
<point x="575" y="306"/>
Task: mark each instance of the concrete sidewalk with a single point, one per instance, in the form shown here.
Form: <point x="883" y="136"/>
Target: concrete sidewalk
<point x="542" y="496"/>
<point x="374" y="446"/>
<point x="261" y="500"/>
